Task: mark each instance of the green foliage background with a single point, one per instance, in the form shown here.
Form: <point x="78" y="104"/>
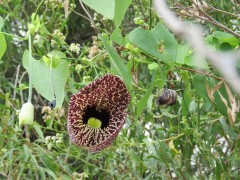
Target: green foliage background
<point x="193" y="139"/>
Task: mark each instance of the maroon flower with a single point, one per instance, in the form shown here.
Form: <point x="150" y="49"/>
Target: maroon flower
<point x="97" y="113"/>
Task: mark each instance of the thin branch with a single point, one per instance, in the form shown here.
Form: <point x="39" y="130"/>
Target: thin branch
<point x="216" y="23"/>
<point x="201" y="72"/>
<point x="82" y="16"/>
<point x="88" y="14"/>
<point x="224" y="62"/>
<point x="225" y="12"/>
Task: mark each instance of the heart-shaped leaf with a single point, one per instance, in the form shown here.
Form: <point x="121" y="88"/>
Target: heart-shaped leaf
<point x="44" y="83"/>
<point x="3" y="44"/>
<point x="104" y="7"/>
<point x="158" y="42"/>
<point x="121" y="7"/>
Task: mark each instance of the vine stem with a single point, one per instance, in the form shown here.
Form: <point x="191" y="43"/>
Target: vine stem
<point x="201" y="72"/>
<point x="51" y="78"/>
<point x="30" y="67"/>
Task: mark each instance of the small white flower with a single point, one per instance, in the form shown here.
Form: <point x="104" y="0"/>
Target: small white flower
<point x="54" y="138"/>
<point x="74" y="48"/>
<point x="49" y="146"/>
<point x="36" y="39"/>
<point x="53" y="42"/>
<point x="48" y="139"/>
<point x="58" y="141"/>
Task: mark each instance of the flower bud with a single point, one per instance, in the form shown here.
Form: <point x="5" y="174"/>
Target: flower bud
<point x="26" y="114"/>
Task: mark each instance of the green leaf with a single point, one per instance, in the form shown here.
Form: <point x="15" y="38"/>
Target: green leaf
<point x="118" y="38"/>
<point x="150" y="146"/>
<point x="117" y="64"/>
<point x="224" y="37"/>
<point x="41" y="77"/>
<point x="182" y="52"/>
<point x="228" y="129"/>
<point x="38" y="130"/>
<point x="3" y="45"/>
<point x="49" y="162"/>
<point x="199" y="82"/>
<point x="120" y="10"/>
<point x="194" y="61"/>
<point x="143" y="101"/>
<point x="1" y="23"/>
<point x="27" y="152"/>
<point x="158" y="42"/>
<point x="104" y="7"/>
<point x="49" y="172"/>
<point x="187" y="95"/>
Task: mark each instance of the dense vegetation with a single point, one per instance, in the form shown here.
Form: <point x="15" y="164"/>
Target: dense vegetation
<point x="59" y="47"/>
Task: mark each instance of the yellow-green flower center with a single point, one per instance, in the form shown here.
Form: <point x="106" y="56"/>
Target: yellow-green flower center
<point x="94" y="123"/>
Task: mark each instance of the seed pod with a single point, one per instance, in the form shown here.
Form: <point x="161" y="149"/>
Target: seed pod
<point x="168" y="97"/>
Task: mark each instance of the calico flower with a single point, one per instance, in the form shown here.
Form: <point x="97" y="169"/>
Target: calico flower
<point x="97" y="113"/>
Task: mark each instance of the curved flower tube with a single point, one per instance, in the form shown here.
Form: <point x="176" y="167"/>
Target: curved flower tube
<point x="97" y="113"/>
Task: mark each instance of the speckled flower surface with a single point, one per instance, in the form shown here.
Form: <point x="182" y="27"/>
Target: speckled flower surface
<point x="105" y="99"/>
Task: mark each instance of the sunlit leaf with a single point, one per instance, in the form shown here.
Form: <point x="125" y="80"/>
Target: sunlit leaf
<point x="159" y="43"/>
<point x="118" y="38"/>
<point x="3" y="44"/>
<point x="117" y="63"/>
<point x="104" y="7"/>
<point x="120" y="10"/>
<point x="41" y="77"/>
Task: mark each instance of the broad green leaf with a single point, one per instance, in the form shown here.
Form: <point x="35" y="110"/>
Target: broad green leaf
<point x="104" y="7"/>
<point x="200" y="87"/>
<point x="3" y="45"/>
<point x="41" y="77"/>
<point x="1" y="23"/>
<point x="224" y="37"/>
<point x="118" y="38"/>
<point x="182" y="52"/>
<point x="199" y="83"/>
<point x="194" y="61"/>
<point x="120" y="10"/>
<point x="117" y="64"/>
<point x="158" y="42"/>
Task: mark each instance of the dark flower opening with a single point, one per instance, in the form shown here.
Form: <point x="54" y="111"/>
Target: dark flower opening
<point x="101" y="115"/>
<point x="97" y="113"/>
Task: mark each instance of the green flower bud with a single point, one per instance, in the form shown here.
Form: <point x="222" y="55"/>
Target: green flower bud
<point x="31" y="28"/>
<point x="55" y="60"/>
<point x="138" y="21"/>
<point x="26" y="114"/>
